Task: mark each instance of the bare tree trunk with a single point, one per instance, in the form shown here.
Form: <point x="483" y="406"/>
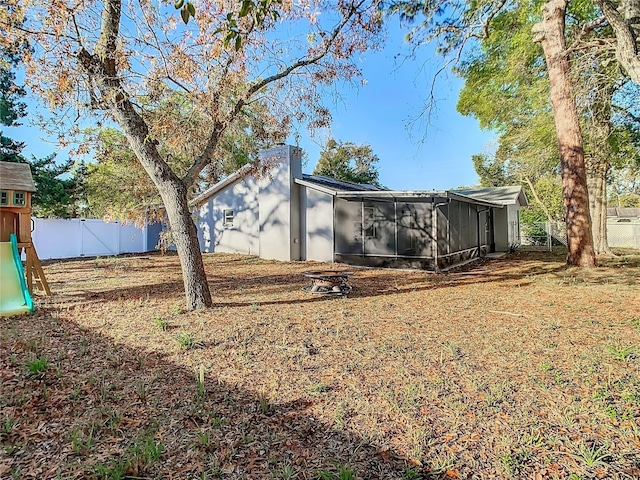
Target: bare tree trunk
<point x="174" y="196"/>
<point x="626" y="46"/>
<point x="537" y="199"/>
<point x="597" y="186"/>
<point x="550" y="33"/>
<point x="108" y="93"/>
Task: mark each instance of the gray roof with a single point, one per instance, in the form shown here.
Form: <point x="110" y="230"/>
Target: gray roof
<point x="222" y="184"/>
<point x="16" y="176"/>
<point x="335" y="184"/>
<point x="416" y="196"/>
<point x="348" y="190"/>
<point x="503" y="195"/>
<point x="490" y="196"/>
<point x="627" y="212"/>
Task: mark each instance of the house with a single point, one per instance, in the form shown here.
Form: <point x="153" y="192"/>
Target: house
<point x="506" y="220"/>
<point x="288" y="215"/>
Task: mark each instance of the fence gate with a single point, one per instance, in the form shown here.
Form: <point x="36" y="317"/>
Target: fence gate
<point x="542" y="235"/>
<point x="99" y="238"/>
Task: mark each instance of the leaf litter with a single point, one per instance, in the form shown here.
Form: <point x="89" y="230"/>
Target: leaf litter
<point x="514" y="368"/>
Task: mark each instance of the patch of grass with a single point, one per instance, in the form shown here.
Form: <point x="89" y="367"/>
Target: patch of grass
<point x="546" y="366"/>
<point x="341" y="472"/>
<point x="8" y="425"/>
<point x="591" y="456"/>
<point x="319" y="387"/>
<point x="82" y="439"/>
<point x="142" y="390"/>
<point x="144" y="452"/>
<point x="204" y="439"/>
<point x="116" y="470"/>
<point x="263" y="401"/>
<point x="622" y="353"/>
<point x="161" y="323"/>
<point x="286" y="472"/>
<point x="186" y="341"/>
<point x="412" y="474"/>
<point x="514" y="462"/>
<point x="217" y="422"/>
<point x="37" y="366"/>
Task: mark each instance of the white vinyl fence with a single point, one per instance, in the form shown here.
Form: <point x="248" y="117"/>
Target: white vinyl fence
<point x="623" y="232"/>
<point x="57" y="238"/>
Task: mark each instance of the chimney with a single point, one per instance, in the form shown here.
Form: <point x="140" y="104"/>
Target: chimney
<point x="279" y="203"/>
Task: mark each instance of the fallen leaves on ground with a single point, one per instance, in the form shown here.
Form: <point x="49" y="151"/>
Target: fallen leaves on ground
<point x="514" y="368"/>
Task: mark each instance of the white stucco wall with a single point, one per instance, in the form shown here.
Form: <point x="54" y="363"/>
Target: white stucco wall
<point x="317" y="225"/>
<point x="279" y="204"/>
<point x="513" y="218"/>
<point x="243" y="235"/>
<point x="506" y="222"/>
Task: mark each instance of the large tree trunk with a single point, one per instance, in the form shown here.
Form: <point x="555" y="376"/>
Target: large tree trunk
<point x="597" y="186"/>
<point x="597" y="163"/>
<point x="174" y="196"/>
<point x="104" y="83"/>
<point x="550" y="33"/>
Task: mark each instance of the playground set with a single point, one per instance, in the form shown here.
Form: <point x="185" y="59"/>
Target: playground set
<point x="16" y="283"/>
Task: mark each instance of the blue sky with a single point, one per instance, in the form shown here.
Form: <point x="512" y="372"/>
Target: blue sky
<point x="413" y="156"/>
<point x="382" y="113"/>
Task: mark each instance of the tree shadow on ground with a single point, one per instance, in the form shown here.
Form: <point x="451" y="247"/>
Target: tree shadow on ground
<point x="102" y="409"/>
<point x="230" y="288"/>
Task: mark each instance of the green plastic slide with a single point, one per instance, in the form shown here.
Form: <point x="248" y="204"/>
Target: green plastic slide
<point x="14" y="295"/>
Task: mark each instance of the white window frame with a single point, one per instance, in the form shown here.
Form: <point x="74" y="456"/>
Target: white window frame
<point x="228" y="214"/>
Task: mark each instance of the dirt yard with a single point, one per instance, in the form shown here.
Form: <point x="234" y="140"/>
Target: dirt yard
<point x="517" y="369"/>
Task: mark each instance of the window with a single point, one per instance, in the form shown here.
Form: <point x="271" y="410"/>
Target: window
<point x="369" y="223"/>
<point x="19" y="199"/>
<point x="4" y="197"/>
<point x="228" y="218"/>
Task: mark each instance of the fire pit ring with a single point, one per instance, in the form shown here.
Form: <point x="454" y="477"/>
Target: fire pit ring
<point x="328" y="282"/>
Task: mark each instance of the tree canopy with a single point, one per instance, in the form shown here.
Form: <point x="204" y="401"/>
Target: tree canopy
<point x="119" y="61"/>
<point x="57" y="189"/>
<point x="348" y="161"/>
<point x="496" y="47"/>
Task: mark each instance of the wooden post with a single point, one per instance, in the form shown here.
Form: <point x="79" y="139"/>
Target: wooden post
<point x="34" y="271"/>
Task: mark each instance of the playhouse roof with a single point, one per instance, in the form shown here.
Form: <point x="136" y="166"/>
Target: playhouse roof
<point x="16" y="176"/>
